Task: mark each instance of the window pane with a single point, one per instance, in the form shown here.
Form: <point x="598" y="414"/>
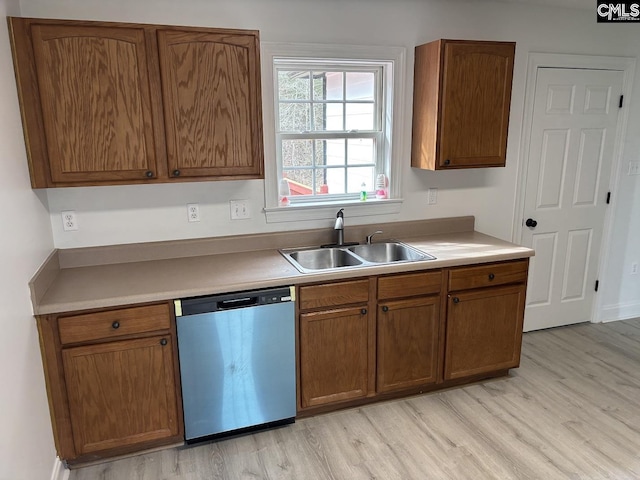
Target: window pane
<point x="359" y="175"/>
<point x="332" y="86"/>
<point x="293" y="85"/>
<point x="297" y="153"/>
<point x="335" y="151"/>
<point x="319" y="85"/>
<point x="321" y="152"/>
<point x="360" y="85"/>
<point x="360" y="116"/>
<point x="335" y="180"/>
<point x="294" y="117"/>
<point x="328" y="116"/>
<point x="361" y="151"/>
<point x="300" y="181"/>
<point x="322" y="186"/>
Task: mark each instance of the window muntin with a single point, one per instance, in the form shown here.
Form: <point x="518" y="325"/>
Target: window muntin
<point x="329" y="127"/>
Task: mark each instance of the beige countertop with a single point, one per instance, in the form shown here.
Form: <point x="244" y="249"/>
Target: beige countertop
<point x="57" y="288"/>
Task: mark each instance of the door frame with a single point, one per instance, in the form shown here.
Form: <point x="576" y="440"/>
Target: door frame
<point x="536" y="60"/>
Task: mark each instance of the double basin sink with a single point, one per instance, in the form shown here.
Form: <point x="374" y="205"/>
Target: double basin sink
<point x="317" y="259"/>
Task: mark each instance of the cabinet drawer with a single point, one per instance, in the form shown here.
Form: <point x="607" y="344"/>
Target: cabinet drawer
<point x="488" y="275"/>
<point x="114" y="323"/>
<point x="333" y="294"/>
<point x="409" y="285"/>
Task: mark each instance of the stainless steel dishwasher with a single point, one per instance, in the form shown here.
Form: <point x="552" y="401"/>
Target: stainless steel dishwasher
<point x="237" y="362"/>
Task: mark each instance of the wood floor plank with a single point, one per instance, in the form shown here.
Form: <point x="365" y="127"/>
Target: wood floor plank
<point x="571" y="411"/>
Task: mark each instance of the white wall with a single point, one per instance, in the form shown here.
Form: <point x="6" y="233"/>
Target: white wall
<point x="26" y="441"/>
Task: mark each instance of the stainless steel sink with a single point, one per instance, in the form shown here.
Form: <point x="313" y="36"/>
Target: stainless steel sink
<point x="389" y="252"/>
<point x="314" y="259"/>
<point x="323" y="258"/>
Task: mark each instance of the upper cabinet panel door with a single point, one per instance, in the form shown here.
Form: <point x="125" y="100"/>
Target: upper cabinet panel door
<point x="475" y="104"/>
<point x="461" y="100"/>
<point x="96" y="104"/>
<point x="211" y="94"/>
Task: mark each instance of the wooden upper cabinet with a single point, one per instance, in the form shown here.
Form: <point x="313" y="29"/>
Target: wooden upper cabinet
<point x="116" y="103"/>
<point x="211" y="95"/>
<point x="89" y="117"/>
<point x="462" y="95"/>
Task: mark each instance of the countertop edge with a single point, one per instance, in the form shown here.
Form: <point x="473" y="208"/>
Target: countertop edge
<point x="506" y="251"/>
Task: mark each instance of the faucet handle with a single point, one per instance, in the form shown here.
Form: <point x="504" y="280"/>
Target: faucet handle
<point x="369" y="237"/>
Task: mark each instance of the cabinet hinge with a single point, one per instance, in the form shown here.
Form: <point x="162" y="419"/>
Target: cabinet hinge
<point x="597" y="284"/>
<point x="608" y="198"/>
<point x="620" y="102"/>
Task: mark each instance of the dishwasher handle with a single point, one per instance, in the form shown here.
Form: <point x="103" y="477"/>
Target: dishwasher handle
<point x="237" y="303"/>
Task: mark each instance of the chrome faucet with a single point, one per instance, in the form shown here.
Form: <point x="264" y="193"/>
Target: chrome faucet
<point x="369" y="237"/>
<point x="339" y="226"/>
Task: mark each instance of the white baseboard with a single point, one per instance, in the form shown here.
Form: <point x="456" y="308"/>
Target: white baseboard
<point x="622" y="311"/>
<point x="59" y="471"/>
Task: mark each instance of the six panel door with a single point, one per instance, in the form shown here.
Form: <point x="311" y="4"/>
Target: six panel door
<point x="572" y="142"/>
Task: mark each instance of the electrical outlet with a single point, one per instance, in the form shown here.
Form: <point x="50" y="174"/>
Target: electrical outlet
<point x="193" y="212"/>
<point x="69" y="220"/>
<point x="432" y="196"/>
<point x="239" y="209"/>
<point x="634" y="268"/>
<point x="634" y="168"/>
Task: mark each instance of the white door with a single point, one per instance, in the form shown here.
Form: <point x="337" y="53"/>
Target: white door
<point x="573" y="131"/>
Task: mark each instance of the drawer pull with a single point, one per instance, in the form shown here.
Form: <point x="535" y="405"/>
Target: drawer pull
<point x="491" y="276"/>
<point x="163" y="342"/>
<point x="115" y="325"/>
<point x="176" y="173"/>
<point x="148" y="174"/>
<point x="385" y="309"/>
<point x="456" y="300"/>
<point x="363" y="311"/>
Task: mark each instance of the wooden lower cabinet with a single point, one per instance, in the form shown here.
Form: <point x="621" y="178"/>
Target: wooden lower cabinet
<point x="333" y="355"/>
<point x="423" y="330"/>
<point x="407" y="346"/>
<point x="484" y="330"/>
<point x="121" y="393"/>
<point x="113" y="388"/>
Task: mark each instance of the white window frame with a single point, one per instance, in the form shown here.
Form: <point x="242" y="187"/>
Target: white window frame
<point x="393" y="59"/>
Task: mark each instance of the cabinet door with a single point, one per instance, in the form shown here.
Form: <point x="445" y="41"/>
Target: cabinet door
<point x="333" y="355"/>
<point x="407" y="343"/>
<point x="484" y="331"/>
<point x="476" y="95"/>
<point x="211" y="94"/>
<point x="121" y="393"/>
<point x="95" y="101"/>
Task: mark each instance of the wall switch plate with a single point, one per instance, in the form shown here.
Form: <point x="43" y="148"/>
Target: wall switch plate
<point x="634" y="168"/>
<point x="69" y="220"/>
<point x="193" y="212"/>
<point x="432" y="196"/>
<point x="239" y="209"/>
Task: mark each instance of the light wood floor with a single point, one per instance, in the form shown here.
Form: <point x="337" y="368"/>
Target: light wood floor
<point x="572" y="410"/>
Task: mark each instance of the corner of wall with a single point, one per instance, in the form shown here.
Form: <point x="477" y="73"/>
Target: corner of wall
<point x="60" y="472"/>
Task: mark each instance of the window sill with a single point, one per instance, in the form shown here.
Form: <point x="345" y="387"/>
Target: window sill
<point x="327" y="210"/>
